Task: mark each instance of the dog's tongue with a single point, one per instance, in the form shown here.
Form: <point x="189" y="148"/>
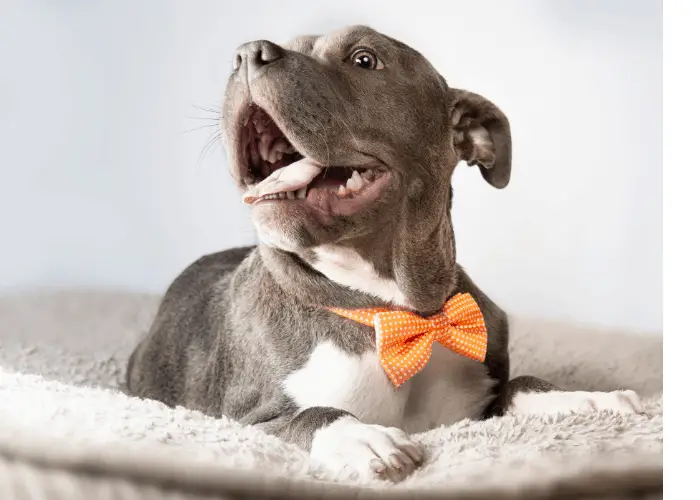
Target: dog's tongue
<point x="290" y="178"/>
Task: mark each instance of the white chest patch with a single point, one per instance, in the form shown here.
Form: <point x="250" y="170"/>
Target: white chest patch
<point x="450" y="388"/>
<point x="357" y="384"/>
<point x="346" y="267"/>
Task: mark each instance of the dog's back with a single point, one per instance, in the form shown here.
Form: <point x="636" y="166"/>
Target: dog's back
<point x="159" y="367"/>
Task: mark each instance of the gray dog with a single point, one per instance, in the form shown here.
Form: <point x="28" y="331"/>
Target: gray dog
<point x="344" y="145"/>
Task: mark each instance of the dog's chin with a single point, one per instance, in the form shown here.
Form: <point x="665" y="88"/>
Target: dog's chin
<point x="322" y="218"/>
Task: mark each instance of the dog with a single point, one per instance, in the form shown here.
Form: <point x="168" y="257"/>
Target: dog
<point x="344" y="145"/>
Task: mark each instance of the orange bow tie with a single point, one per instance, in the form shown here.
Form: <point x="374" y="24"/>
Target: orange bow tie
<point x="405" y="339"/>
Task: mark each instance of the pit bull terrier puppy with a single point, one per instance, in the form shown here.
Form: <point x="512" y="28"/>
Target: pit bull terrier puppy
<point x="345" y="145"/>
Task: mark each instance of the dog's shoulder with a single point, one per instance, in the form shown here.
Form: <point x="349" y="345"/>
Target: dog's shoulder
<point x="208" y="269"/>
<point x="186" y="327"/>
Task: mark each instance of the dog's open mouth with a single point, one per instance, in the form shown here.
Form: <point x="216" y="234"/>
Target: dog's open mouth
<point x="273" y="170"/>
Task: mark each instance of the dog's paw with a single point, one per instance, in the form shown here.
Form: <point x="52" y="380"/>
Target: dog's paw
<point x="558" y="402"/>
<point x="365" y="451"/>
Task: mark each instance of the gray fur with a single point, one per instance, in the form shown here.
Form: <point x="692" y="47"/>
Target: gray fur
<point x="235" y="324"/>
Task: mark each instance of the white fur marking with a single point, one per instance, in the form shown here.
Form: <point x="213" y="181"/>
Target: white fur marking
<point x="559" y="402"/>
<point x="357" y="384"/>
<point x="346" y="267"/>
<point x="347" y="443"/>
<point x="450" y="388"/>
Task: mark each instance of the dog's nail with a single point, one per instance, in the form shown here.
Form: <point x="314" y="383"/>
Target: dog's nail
<point x="377" y="465"/>
<point x="414" y="452"/>
<point x="395" y="462"/>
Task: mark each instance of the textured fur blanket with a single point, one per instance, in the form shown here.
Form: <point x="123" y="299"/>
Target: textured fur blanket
<point x="67" y="432"/>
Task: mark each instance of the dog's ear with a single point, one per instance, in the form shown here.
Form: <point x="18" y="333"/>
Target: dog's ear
<point x="481" y="135"/>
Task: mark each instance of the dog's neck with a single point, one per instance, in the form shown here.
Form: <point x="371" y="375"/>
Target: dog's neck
<point x="408" y="267"/>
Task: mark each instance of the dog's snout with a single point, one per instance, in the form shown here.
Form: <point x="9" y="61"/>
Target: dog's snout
<point x="255" y="55"/>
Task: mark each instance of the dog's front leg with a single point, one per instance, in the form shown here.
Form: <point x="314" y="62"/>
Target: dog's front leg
<point x="341" y="441"/>
<point x="531" y="395"/>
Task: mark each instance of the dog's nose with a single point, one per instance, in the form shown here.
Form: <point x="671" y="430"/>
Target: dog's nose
<point x="257" y="54"/>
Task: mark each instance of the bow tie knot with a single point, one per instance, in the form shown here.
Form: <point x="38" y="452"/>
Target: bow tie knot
<point x="405" y="339"/>
<point x="440" y="324"/>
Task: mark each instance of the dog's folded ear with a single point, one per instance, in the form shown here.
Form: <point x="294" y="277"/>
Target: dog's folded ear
<point x="481" y="136"/>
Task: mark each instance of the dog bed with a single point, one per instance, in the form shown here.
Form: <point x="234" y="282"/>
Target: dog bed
<point x="68" y="432"/>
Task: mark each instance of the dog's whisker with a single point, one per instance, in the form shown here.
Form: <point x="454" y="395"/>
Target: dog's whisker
<point x="207" y="146"/>
<point x="207" y="110"/>
<point x="357" y="143"/>
<point x="203" y="118"/>
<point x="328" y="152"/>
<point x="200" y="128"/>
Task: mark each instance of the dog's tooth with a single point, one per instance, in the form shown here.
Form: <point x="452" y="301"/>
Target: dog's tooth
<point x="368" y="176"/>
<point x="259" y="125"/>
<point x="301" y="193"/>
<point x="280" y="145"/>
<point x="342" y="191"/>
<point x="249" y="179"/>
<point x="355" y="182"/>
<point x="265" y="143"/>
<point x="290" y="195"/>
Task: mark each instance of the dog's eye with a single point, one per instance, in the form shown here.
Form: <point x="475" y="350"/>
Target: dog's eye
<point x="365" y="59"/>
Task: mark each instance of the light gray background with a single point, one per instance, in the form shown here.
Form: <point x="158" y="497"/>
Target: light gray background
<point x="100" y="186"/>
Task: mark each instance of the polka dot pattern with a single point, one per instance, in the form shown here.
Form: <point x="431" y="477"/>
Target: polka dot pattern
<point x="405" y="339"/>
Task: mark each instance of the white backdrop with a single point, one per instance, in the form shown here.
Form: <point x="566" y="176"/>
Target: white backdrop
<point x="100" y="185"/>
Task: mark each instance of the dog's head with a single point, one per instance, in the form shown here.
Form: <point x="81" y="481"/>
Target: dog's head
<point x="353" y="135"/>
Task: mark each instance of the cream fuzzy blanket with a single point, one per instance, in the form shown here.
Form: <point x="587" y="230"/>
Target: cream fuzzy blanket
<point x="67" y="432"/>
